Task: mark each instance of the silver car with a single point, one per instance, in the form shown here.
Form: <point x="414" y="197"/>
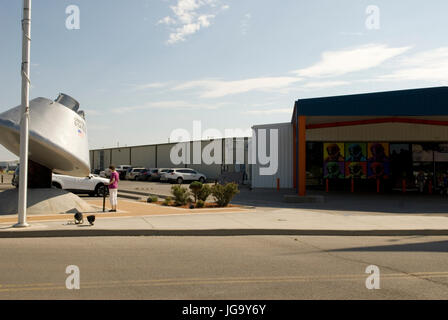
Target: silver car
<point x="184" y="174"/>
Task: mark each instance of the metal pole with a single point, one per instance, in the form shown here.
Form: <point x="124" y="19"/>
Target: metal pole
<point x="104" y="199"/>
<point x="25" y="117"/>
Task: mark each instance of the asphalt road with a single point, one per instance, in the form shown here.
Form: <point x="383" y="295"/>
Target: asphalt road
<point x="252" y="267"/>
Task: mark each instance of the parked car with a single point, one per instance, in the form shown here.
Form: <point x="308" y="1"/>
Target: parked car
<point x="105" y="173"/>
<point x="134" y="173"/>
<point x="162" y="174"/>
<point x="149" y="175"/>
<point x="92" y="184"/>
<point x="184" y="174"/>
<point x="122" y="170"/>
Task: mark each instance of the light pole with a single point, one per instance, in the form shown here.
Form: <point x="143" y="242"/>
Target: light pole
<point x="25" y="114"/>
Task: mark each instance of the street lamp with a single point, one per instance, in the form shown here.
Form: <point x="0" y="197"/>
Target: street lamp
<point x="25" y="114"/>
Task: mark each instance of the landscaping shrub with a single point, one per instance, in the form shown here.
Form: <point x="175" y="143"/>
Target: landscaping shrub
<point x="167" y="201"/>
<point x="224" y="193"/>
<point x="205" y="192"/>
<point x="181" y="195"/>
<point x="152" y="199"/>
<point x="196" y="188"/>
<point x="200" y="204"/>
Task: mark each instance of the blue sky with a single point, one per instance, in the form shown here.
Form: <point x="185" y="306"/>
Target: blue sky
<point x="142" y="68"/>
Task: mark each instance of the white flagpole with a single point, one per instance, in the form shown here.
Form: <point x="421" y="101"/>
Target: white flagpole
<point x="25" y="117"/>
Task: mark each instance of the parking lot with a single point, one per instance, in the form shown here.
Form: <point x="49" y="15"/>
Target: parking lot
<point x="150" y="187"/>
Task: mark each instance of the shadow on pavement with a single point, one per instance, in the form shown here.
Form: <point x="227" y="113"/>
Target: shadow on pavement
<point x="433" y="246"/>
<point x="345" y="201"/>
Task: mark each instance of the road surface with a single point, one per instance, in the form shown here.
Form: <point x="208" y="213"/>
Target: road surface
<point x="251" y="267"/>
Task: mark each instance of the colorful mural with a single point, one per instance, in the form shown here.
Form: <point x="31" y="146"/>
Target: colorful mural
<point x="334" y="152"/>
<point x="356" y="170"/>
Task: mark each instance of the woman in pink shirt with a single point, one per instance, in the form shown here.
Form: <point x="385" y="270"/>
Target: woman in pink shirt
<point x="113" y="188"/>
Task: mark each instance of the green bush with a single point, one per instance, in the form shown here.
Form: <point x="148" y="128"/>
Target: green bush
<point x="167" y="201"/>
<point x="152" y="199"/>
<point x="224" y="193"/>
<point x="196" y="188"/>
<point x="200" y="204"/>
<point x="205" y="192"/>
<point x="181" y="195"/>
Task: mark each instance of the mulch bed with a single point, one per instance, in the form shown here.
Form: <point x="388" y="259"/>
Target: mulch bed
<point x="206" y="205"/>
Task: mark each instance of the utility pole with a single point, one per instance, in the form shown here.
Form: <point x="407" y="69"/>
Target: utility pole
<point x="25" y="114"/>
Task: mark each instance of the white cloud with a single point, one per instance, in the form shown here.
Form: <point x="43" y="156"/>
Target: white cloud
<point x="153" y="85"/>
<point x="431" y="65"/>
<point x="337" y="63"/>
<point x="245" y="23"/>
<point x="167" y="20"/>
<point x="267" y="112"/>
<point x="324" y="84"/>
<point x="219" y="88"/>
<point x="166" y="105"/>
<point x="343" y="33"/>
<point x="189" y="17"/>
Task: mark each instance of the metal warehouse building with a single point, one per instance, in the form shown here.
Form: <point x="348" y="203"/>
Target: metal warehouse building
<point x="158" y="156"/>
<point x="375" y="141"/>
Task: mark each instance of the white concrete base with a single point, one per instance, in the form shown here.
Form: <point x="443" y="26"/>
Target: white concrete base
<point x="44" y="201"/>
<point x="21" y="225"/>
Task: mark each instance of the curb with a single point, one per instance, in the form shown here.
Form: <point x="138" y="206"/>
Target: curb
<point x="136" y="195"/>
<point x="215" y="232"/>
<point x="129" y="196"/>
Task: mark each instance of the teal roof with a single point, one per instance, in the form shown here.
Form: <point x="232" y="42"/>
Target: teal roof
<point x="413" y="102"/>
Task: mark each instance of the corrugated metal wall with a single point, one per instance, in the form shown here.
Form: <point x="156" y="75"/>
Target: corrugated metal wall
<point x="121" y="155"/>
<point x="107" y="158"/>
<point x="212" y="171"/>
<point x="144" y="156"/>
<point x="163" y="156"/>
<point x="285" y="158"/>
<point x="152" y="156"/>
<point x="380" y="132"/>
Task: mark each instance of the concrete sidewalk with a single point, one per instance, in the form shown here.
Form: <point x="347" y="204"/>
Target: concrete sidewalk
<point x="241" y="222"/>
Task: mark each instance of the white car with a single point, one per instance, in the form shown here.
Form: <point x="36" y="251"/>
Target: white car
<point x="162" y="174"/>
<point x="134" y="173"/>
<point x="105" y="173"/>
<point x="184" y="174"/>
<point x="92" y="184"/>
